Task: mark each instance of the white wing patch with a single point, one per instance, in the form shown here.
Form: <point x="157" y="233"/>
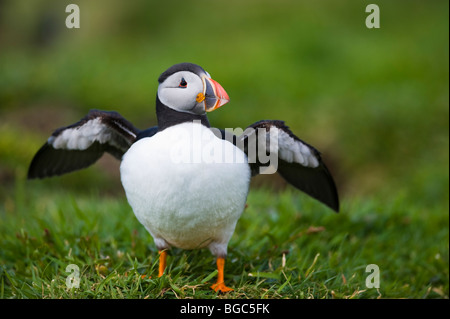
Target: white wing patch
<point x="125" y="129"/>
<point x="82" y="137"/>
<point x="294" y="151"/>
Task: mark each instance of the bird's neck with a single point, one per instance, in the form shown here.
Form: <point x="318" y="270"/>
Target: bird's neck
<point x="168" y="117"/>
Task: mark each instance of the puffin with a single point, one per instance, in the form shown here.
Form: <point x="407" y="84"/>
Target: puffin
<point x="187" y="182"/>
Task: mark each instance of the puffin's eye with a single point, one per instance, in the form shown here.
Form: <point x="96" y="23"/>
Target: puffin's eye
<point x="183" y="83"/>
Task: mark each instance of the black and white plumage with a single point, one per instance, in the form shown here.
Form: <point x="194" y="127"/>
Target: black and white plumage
<point x="183" y="196"/>
<point x="300" y="164"/>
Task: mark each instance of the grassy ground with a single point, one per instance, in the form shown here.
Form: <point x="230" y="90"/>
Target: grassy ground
<point x="285" y="246"/>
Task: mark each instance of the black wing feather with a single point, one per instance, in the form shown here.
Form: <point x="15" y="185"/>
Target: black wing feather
<point x="317" y="181"/>
<point x="53" y="162"/>
<point x="117" y="135"/>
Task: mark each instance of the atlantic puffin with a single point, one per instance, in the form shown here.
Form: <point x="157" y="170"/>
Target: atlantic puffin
<point x="187" y="182"/>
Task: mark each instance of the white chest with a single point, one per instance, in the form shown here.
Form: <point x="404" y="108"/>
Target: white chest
<point x="186" y="186"/>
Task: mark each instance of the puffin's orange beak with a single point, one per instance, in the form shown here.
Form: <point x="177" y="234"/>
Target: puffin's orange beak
<point x="214" y="94"/>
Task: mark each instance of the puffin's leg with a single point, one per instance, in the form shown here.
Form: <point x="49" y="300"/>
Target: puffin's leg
<point x="220" y="284"/>
<point x="163" y="247"/>
<point x="162" y="262"/>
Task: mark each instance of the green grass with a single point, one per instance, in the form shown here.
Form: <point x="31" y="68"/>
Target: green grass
<point x="285" y="246"/>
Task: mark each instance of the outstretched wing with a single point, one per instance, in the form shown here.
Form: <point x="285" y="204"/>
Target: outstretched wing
<point x="297" y="162"/>
<point x="81" y="144"/>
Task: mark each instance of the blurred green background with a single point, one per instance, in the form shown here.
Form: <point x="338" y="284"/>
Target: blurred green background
<point x="375" y="102"/>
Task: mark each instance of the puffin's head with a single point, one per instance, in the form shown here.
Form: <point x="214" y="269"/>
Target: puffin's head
<point x="186" y="87"/>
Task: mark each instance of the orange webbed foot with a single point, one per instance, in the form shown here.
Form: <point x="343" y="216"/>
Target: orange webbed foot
<point x="220" y="287"/>
<point x="220" y="284"/>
